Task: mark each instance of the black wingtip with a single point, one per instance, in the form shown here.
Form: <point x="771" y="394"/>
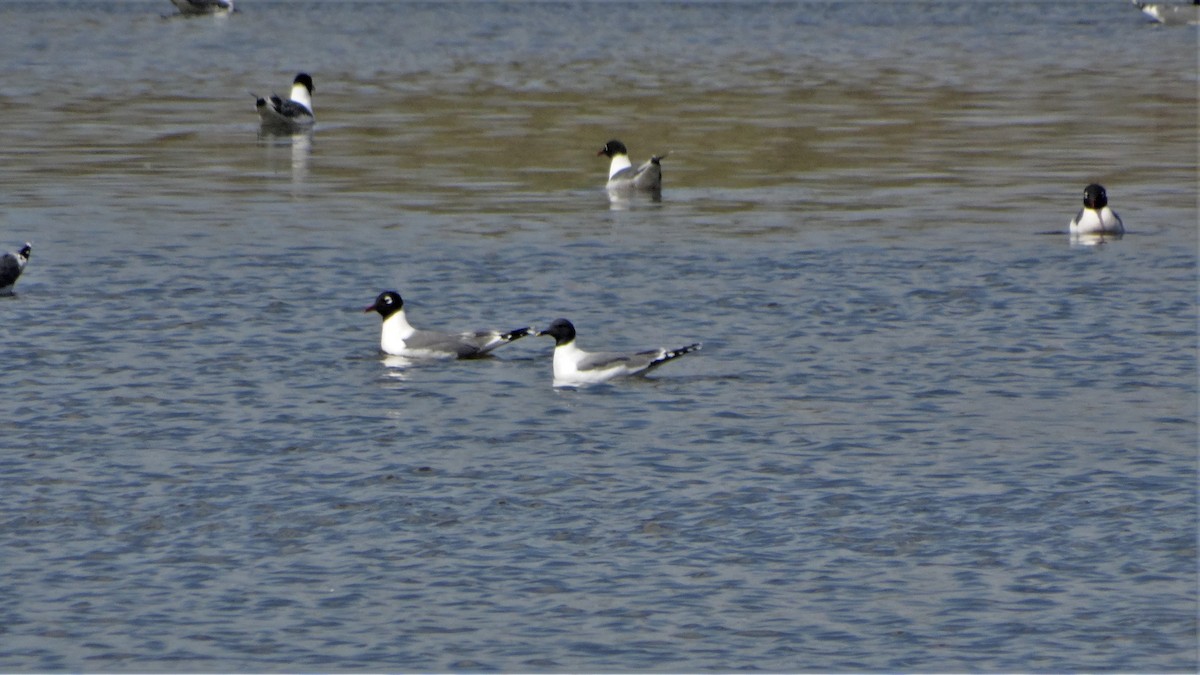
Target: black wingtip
<point x="517" y="334"/>
<point x="676" y="353"/>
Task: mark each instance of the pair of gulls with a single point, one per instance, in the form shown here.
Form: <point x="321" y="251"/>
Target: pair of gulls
<point x="295" y="114"/>
<point x="573" y="366"/>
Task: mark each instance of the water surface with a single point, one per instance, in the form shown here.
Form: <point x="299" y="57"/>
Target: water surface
<point x="927" y="432"/>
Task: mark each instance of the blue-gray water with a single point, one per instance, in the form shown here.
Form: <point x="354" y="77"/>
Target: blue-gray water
<point x="926" y="431"/>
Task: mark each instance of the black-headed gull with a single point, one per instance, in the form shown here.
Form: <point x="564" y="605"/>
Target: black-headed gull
<point x="1095" y="217"/>
<point x="198" y="7"/>
<point x="292" y="114"/>
<point x="622" y="177"/>
<point x="574" y="367"/>
<point x="399" y="338"/>
<point x="11" y="265"/>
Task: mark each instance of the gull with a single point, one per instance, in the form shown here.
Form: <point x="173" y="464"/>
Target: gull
<point x="1095" y="217"/>
<point x="574" y="367"/>
<point x="11" y="265"/>
<point x="292" y="114"/>
<point x="622" y="177"/>
<point x="399" y="338"/>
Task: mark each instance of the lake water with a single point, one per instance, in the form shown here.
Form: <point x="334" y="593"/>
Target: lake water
<point x="927" y="431"/>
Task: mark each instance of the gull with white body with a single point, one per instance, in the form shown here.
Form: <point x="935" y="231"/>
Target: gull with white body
<point x="623" y="178"/>
<point x="575" y="367"/>
<point x="399" y="338"/>
<point x="1096" y="217"/>
<point x="292" y="114"/>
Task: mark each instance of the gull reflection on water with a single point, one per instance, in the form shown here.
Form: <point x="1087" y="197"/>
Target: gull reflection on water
<point x="300" y="143"/>
<point x="623" y="200"/>
<point x="301" y="149"/>
<point x="1093" y="238"/>
<point x="395" y="366"/>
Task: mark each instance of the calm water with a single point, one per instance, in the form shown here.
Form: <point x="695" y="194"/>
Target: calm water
<point x="926" y="432"/>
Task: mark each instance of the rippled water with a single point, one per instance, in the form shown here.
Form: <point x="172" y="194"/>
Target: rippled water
<point x="926" y="432"/>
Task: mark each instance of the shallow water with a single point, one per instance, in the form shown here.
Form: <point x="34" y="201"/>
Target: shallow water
<point x="926" y="431"/>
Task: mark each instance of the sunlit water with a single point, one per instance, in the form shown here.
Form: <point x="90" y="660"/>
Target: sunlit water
<point x="927" y="431"/>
